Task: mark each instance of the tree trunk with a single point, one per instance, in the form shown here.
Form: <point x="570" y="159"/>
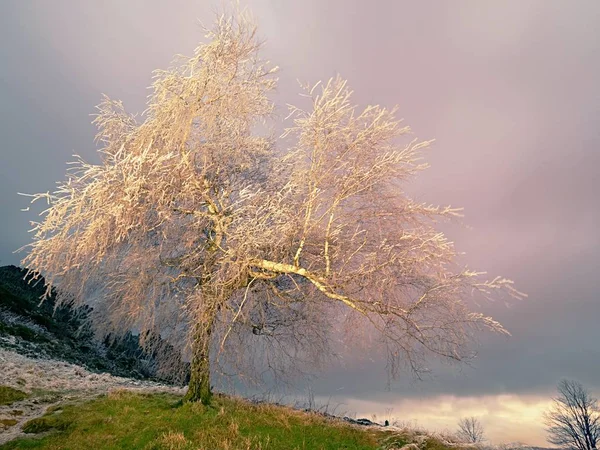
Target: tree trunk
<point x="199" y="388"/>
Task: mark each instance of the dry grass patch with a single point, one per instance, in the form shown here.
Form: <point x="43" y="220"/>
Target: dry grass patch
<point x="170" y="441"/>
<point x="9" y="395"/>
<point x="7" y="423"/>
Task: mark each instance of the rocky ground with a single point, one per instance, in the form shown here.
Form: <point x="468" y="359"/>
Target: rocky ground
<point x="50" y="382"/>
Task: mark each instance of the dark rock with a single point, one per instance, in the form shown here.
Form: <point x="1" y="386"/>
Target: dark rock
<point x="365" y="422"/>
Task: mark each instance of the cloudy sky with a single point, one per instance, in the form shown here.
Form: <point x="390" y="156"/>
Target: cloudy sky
<point x="509" y="90"/>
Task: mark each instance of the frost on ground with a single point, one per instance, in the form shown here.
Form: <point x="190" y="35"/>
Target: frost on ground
<point x="50" y="382"/>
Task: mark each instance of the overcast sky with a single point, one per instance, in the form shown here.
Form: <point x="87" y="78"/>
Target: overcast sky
<point x="509" y="89"/>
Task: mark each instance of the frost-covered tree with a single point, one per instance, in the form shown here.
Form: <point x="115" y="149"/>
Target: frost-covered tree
<point x="247" y="252"/>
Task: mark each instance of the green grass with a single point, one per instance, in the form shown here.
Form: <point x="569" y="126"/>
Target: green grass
<point x="123" y="420"/>
<point x="10" y="395"/>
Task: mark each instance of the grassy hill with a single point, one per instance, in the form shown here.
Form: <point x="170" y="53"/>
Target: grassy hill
<point x="150" y="421"/>
<point x="124" y="420"/>
<point x="127" y="420"/>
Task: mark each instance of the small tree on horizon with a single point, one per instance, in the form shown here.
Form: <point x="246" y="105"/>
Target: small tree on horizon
<point x="248" y="252"/>
<point x="573" y="422"/>
<point x="470" y="430"/>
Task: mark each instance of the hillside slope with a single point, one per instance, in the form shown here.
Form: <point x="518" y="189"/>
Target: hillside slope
<point x="128" y="420"/>
<point x="41" y="331"/>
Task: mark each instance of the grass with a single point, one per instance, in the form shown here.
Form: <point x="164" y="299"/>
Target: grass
<point x="8" y="422"/>
<point x="9" y="395"/>
<point x="125" y="420"/>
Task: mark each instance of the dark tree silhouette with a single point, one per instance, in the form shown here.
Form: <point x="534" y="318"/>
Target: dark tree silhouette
<point x="574" y="420"/>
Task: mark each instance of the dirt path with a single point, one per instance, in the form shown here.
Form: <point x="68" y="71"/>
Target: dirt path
<point x="51" y="382"/>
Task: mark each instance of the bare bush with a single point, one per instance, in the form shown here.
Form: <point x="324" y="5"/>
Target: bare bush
<point x="246" y="255"/>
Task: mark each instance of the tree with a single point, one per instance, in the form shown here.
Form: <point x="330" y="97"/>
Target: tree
<point x="470" y="429"/>
<point x="248" y="255"/>
<point x="574" y="420"/>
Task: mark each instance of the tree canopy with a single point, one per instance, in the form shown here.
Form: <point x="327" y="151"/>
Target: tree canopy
<point x="247" y="251"/>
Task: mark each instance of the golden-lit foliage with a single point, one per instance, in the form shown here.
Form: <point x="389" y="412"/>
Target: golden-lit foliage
<point x="198" y="228"/>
